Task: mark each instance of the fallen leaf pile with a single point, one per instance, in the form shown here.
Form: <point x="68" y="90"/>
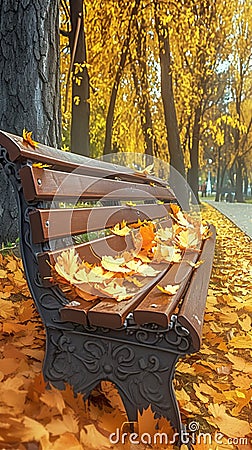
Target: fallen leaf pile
<point x="213" y="387"/>
<point x="119" y="277"/>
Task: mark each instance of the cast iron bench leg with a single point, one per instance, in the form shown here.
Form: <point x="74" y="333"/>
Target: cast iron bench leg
<point x="131" y="358"/>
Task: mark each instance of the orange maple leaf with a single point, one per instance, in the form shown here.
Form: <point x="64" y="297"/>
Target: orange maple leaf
<point x="147" y="234"/>
<point x="27" y="139"/>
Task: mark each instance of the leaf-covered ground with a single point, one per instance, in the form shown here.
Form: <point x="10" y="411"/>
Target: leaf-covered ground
<point x="213" y="387"/>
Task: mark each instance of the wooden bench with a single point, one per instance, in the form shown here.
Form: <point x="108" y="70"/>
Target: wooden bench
<point x="134" y="343"/>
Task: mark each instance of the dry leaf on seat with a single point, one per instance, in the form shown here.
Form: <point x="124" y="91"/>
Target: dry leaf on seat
<point x="169" y="289"/>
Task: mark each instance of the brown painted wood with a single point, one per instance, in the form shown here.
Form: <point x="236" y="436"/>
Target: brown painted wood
<point x="69" y="162"/>
<point x="89" y="251"/>
<point x="49" y="224"/>
<point x="44" y="184"/>
<point x="78" y="313"/>
<point x="191" y="314"/>
<point x="158" y="307"/>
<point x="112" y="314"/>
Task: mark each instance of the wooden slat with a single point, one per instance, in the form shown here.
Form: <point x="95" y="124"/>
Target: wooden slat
<point x="70" y="162"/>
<point x="191" y="314"/>
<point x="108" y="312"/>
<point x="89" y="251"/>
<point x="55" y="223"/>
<point x="44" y="184"/>
<point x="112" y="314"/>
<point x="158" y="307"/>
<point x="76" y="313"/>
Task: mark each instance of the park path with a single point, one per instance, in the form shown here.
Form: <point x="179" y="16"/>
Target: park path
<point x="239" y="213"/>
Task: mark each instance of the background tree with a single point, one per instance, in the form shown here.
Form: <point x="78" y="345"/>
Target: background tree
<point x="77" y="71"/>
<point x="240" y="70"/>
<point x="29" y="78"/>
<point x="200" y="45"/>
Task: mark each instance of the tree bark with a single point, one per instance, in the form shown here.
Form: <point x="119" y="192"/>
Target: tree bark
<point x="194" y="157"/>
<point x="111" y="109"/>
<point x="178" y="183"/>
<point x="29" y="77"/>
<point x="173" y="139"/>
<point x="141" y="84"/>
<point x="217" y="194"/>
<point x="239" y="181"/>
<point x="80" y="141"/>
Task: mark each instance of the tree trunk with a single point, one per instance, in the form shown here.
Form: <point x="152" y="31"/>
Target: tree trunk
<point x="217" y="195"/>
<point x="145" y="116"/>
<point x="80" y="142"/>
<point x="177" y="166"/>
<point x="141" y="84"/>
<point x="239" y="181"/>
<point x="194" y="157"/>
<point x="111" y="109"/>
<point x="175" y="151"/>
<point x="29" y="74"/>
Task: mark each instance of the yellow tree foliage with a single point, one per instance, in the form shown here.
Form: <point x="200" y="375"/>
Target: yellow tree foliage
<point x="202" y="37"/>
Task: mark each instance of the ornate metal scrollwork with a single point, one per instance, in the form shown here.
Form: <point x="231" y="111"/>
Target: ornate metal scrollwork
<point x="143" y="375"/>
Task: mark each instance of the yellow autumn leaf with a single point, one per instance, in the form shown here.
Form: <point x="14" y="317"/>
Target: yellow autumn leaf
<point x="240" y="394"/>
<point x="142" y="256"/>
<point x="164" y="234"/>
<point x="147" y="271"/>
<point x="198" y="392"/>
<point x="133" y="265"/>
<point x="241" y="341"/>
<point x="239" y="363"/>
<point x="40" y="165"/>
<point x="182" y="397"/>
<point x="95" y="275"/>
<point x="3" y="273"/>
<point x="187" y="239"/>
<point x="121" y="229"/>
<point x="168" y="289"/>
<point x="246" y="323"/>
<point x="66" y="440"/>
<point x="68" y="423"/>
<point x="228" y="425"/>
<point x="6" y="309"/>
<point x="167" y="253"/>
<point x="182" y="220"/>
<point x="80" y="276"/>
<point x="98" y="275"/>
<point x="147" y="171"/>
<point x="53" y="398"/>
<point x="114" y="264"/>
<point x="114" y="290"/>
<point x="33" y="430"/>
<point x="76" y="100"/>
<point x="130" y="203"/>
<point x="194" y="265"/>
<point x="91" y="438"/>
<point x="134" y="280"/>
<point x="67" y="264"/>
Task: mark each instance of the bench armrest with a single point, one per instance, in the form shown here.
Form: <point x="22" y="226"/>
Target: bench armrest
<point x="191" y="314"/>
